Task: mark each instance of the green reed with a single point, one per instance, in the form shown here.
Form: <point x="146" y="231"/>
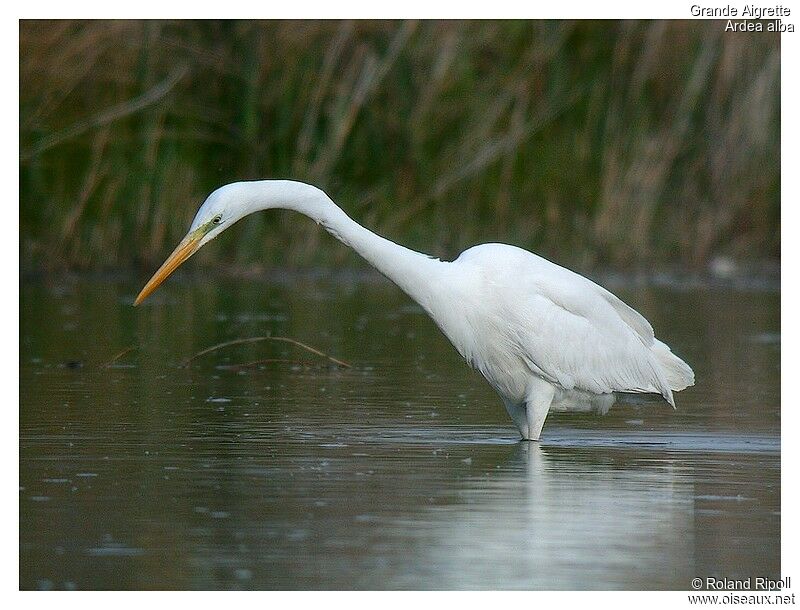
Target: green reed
<point x="615" y="143"/>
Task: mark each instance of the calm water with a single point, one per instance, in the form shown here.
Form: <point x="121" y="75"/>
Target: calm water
<point x="264" y="466"/>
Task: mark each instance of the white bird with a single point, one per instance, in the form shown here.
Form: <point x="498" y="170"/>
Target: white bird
<point x="543" y="336"/>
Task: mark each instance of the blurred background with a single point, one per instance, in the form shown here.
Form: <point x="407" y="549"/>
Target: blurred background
<point x="617" y="144"/>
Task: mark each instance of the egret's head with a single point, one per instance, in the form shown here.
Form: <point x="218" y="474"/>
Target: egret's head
<point x="231" y="202"/>
<point x="220" y="210"/>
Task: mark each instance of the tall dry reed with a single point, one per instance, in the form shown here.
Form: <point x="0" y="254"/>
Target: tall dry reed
<point x="623" y="143"/>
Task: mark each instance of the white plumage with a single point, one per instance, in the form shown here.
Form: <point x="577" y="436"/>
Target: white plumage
<point x="544" y="337"/>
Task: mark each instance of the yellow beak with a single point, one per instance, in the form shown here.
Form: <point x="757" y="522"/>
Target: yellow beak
<point x="188" y="246"/>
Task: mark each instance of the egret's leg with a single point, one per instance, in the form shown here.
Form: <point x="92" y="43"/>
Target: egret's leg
<point x="540" y="397"/>
<point x="518" y="414"/>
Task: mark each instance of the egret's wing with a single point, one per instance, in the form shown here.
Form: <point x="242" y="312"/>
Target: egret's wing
<point x="628" y="315"/>
<point x="573" y="332"/>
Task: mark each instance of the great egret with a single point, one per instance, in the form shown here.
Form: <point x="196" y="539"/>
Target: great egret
<point x="543" y="337"/>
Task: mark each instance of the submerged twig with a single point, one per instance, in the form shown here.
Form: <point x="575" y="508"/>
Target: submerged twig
<point x="254" y="363"/>
<point x="208" y="350"/>
<point x="119" y="355"/>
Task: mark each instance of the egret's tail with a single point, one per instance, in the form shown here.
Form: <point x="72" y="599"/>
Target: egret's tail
<point x="677" y="373"/>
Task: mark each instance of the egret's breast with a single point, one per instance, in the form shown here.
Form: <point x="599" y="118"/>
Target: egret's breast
<point x="472" y="319"/>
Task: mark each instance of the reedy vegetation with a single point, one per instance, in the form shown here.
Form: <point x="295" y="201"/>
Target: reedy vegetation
<point x="594" y="143"/>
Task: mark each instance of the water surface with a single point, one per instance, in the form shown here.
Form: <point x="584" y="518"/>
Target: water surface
<point x="265" y="466"/>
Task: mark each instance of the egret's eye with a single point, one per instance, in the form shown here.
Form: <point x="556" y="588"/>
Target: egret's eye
<point x="217" y="219"/>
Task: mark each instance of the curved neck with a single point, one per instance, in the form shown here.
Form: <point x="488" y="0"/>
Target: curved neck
<point x="415" y="273"/>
